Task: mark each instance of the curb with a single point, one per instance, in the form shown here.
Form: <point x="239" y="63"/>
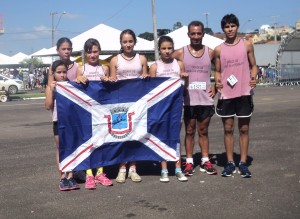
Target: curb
<point x="34" y="98"/>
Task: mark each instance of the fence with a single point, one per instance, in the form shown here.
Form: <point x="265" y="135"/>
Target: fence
<point x="285" y="75"/>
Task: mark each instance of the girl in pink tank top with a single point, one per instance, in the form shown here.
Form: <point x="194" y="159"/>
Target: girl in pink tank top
<point x="64" y="50"/>
<point x="167" y="66"/>
<point x="127" y="65"/>
<point x="93" y="71"/>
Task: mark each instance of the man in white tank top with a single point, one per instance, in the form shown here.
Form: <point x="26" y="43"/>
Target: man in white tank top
<point x="198" y="98"/>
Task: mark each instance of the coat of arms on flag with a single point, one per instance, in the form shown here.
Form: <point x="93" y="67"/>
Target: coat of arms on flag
<point x="109" y="123"/>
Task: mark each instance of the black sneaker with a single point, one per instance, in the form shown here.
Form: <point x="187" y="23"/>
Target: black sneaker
<point x="64" y="185"/>
<point x="243" y="170"/>
<point x="229" y="169"/>
<point x="207" y="167"/>
<point x="73" y="184"/>
<point x="189" y="169"/>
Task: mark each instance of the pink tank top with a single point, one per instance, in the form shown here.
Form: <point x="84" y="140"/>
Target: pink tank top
<point x="128" y="69"/>
<point x="93" y="73"/>
<point x="72" y="72"/>
<point x="234" y="61"/>
<point x="198" y="69"/>
<point x="168" y="69"/>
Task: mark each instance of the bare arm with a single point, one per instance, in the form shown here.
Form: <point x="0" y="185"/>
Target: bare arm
<point x="152" y="70"/>
<point x="106" y="72"/>
<point x="144" y="66"/>
<point x="49" y="101"/>
<point x="218" y="82"/>
<point x="50" y="75"/>
<point x="252" y="63"/>
<point x="178" y="54"/>
<point x="113" y="68"/>
<point x="80" y="78"/>
<point x="212" y="91"/>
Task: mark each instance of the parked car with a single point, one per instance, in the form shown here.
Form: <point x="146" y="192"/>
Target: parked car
<point x="13" y="86"/>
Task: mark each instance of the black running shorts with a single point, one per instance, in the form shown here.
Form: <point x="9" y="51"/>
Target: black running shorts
<point x="239" y="107"/>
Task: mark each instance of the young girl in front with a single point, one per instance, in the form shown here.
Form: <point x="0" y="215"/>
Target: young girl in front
<point x="128" y="65"/>
<point x="167" y="66"/>
<point x="93" y="71"/>
<point x="59" y="71"/>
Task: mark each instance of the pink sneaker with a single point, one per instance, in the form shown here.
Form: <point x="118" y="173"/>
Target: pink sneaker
<point x="102" y="179"/>
<point x="90" y="182"/>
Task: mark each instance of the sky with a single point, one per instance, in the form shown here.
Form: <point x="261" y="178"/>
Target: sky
<point x="28" y="23"/>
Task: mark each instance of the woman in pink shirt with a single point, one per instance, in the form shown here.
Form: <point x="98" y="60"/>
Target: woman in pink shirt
<point x="128" y="65"/>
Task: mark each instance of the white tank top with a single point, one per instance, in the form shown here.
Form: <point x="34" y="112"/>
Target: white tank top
<point x="128" y="69"/>
<point x="168" y="69"/>
<point x="93" y="73"/>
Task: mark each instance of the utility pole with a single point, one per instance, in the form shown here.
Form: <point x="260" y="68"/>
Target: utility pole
<point x="275" y="28"/>
<point x="154" y="30"/>
<point x="206" y="18"/>
<point x="53" y="29"/>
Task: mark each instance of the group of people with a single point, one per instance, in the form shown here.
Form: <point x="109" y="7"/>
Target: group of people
<point x="235" y="76"/>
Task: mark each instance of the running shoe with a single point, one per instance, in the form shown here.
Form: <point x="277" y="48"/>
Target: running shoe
<point x="121" y="177"/>
<point x="90" y="182"/>
<point x="64" y="185"/>
<point x="164" y="177"/>
<point x="103" y="180"/>
<point x="73" y="184"/>
<point x="243" y="170"/>
<point x="134" y="176"/>
<point x="207" y="167"/>
<point x="229" y="169"/>
<point x="181" y="177"/>
<point x="189" y="169"/>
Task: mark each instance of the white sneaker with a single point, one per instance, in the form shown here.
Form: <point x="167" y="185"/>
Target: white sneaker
<point x="181" y="177"/>
<point x="121" y="177"/>
<point x="134" y="176"/>
<point x="164" y="177"/>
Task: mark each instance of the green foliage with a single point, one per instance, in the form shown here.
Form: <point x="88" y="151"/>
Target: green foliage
<point x="177" y="25"/>
<point x="147" y="36"/>
<point x="161" y="32"/>
<point x="208" y="30"/>
<point x="32" y="62"/>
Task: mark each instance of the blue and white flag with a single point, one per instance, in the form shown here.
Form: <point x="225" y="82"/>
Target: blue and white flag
<point x="102" y="124"/>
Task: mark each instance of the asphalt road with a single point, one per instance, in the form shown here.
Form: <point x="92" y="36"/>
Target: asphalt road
<point x="29" y="179"/>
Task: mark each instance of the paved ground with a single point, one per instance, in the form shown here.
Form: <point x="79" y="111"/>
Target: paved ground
<point x="29" y="180"/>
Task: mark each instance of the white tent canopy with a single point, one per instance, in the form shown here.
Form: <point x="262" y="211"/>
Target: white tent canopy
<point x="181" y="38"/>
<point x="109" y="39"/>
<point x="19" y="57"/>
<point x="45" y="59"/>
<point x="6" y="60"/>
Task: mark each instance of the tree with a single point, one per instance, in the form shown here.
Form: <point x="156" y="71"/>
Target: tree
<point x="32" y="63"/>
<point x="177" y="25"/>
<point x="208" y="30"/>
<point x="147" y="36"/>
<point x="161" y="32"/>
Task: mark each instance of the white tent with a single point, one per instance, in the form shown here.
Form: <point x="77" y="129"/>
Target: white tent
<point x="109" y="39"/>
<point x="6" y="60"/>
<point x="45" y="59"/>
<point x="19" y="57"/>
<point x="181" y="38"/>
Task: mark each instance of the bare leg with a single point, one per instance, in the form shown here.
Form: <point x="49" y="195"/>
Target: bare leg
<point x="228" y="124"/>
<point x="243" y="124"/>
<point x="190" y="130"/>
<point x="202" y="128"/>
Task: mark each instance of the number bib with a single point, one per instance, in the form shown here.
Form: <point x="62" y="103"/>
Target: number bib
<point x="197" y="86"/>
